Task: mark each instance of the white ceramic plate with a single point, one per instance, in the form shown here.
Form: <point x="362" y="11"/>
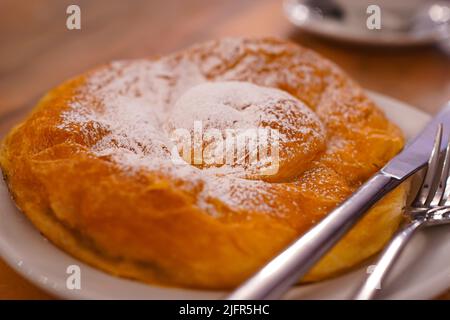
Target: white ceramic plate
<point x="422" y="272"/>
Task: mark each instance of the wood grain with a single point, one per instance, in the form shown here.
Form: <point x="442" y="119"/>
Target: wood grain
<point x="38" y="52"/>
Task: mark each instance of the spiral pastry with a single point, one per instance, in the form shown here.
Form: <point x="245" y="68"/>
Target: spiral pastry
<point x="196" y="168"/>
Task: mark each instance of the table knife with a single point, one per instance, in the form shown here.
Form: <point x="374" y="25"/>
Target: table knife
<point x="277" y="276"/>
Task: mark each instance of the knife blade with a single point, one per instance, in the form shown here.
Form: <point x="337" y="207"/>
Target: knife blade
<point x="415" y="154"/>
<point x="273" y="280"/>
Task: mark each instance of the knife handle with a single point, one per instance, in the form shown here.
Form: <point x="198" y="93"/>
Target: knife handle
<point x="276" y="277"/>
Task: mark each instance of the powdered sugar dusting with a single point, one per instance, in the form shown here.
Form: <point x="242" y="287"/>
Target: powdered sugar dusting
<point x="126" y="109"/>
<point x="235" y="104"/>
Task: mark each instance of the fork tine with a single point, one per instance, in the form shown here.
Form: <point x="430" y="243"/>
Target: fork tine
<point x="438" y="196"/>
<point x="436" y="167"/>
<point x="424" y="195"/>
<point x="445" y="178"/>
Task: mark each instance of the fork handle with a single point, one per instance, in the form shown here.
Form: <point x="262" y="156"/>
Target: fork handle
<point x="372" y="284"/>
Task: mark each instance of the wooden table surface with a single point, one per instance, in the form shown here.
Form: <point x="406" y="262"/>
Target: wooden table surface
<point x="38" y="52"/>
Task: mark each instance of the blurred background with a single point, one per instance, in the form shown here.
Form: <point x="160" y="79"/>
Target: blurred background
<point x="39" y="52"/>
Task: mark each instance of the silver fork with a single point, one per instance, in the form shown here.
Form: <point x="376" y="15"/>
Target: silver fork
<point x="431" y="206"/>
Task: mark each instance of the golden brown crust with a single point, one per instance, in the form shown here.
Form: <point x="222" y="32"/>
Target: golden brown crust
<point x="156" y="226"/>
